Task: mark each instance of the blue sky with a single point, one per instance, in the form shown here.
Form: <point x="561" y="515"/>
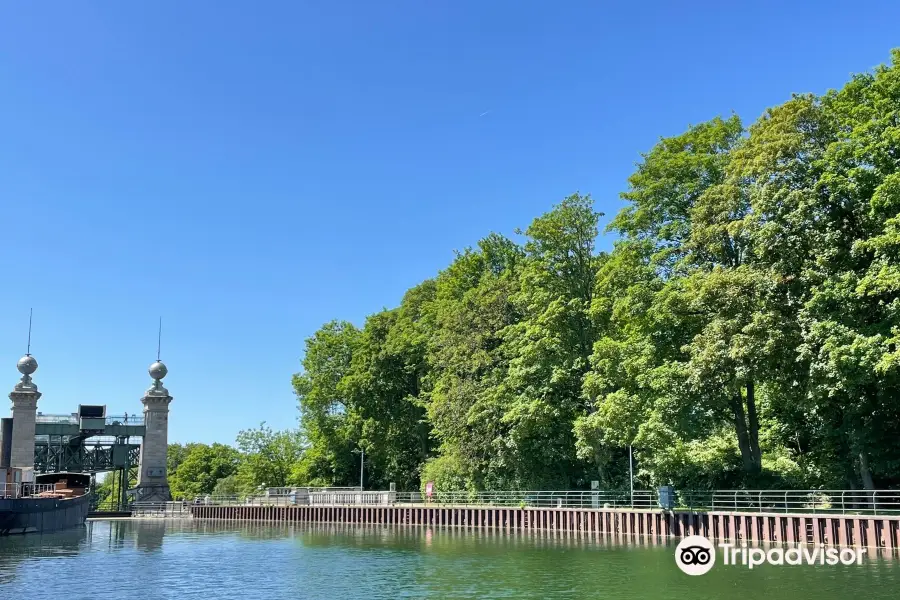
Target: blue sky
<point x="249" y="171"/>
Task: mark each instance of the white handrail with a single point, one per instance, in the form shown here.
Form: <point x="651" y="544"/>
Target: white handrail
<point x="886" y="502"/>
<point x="24" y="490"/>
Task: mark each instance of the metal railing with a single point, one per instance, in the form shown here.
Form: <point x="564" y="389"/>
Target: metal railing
<point x="135" y="419"/>
<point x="239" y="501"/>
<point x="352" y="498"/>
<point x="884" y="502"/>
<point x="10" y="490"/>
<point x="303" y="497"/>
<point x="355" y="497"/>
<point x="873" y="502"/>
<point x="537" y="498"/>
<point x="60" y="419"/>
<point x="878" y="502"/>
<point x="160" y="509"/>
<point x="287" y="491"/>
<point x="131" y="419"/>
<point x="24" y="490"/>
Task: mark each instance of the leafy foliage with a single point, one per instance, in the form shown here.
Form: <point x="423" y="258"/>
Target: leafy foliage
<point x="263" y="458"/>
<point x="744" y="330"/>
<point x="201" y="467"/>
<point x="269" y="457"/>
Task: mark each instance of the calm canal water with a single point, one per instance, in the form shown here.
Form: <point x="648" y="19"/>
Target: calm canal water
<point x="157" y="559"/>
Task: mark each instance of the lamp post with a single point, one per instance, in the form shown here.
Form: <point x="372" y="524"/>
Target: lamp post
<point x="631" y="475"/>
<point x="362" y="462"/>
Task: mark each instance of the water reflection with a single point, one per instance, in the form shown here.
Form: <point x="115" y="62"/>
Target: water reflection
<point x="17" y="549"/>
<point x="149" y="536"/>
<point x="218" y="559"/>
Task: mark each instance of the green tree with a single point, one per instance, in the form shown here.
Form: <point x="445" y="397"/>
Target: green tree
<point x="825" y="195"/>
<point x="744" y="329"/>
<point x="325" y="409"/>
<point x="175" y="456"/>
<point x="229" y="486"/>
<point x="385" y="388"/>
<point x="691" y="326"/>
<point x="473" y="306"/>
<point x="550" y="347"/>
<point x="202" y="467"/>
<point x="270" y="458"/>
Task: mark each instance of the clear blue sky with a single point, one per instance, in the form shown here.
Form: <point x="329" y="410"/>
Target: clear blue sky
<point x="251" y="170"/>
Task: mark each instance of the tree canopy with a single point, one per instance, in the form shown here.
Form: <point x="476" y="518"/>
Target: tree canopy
<point x="743" y="330"/>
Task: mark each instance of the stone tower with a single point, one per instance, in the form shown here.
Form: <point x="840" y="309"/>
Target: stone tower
<point x="152" y="484"/>
<point x="24" y="412"/>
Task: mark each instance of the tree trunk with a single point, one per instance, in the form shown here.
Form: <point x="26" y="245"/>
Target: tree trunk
<point x="601" y="472"/>
<point x="851" y="482"/>
<point x="864" y="472"/>
<point x="743" y="436"/>
<point x="753" y="419"/>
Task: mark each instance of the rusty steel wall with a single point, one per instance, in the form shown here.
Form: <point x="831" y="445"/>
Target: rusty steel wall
<point x="839" y="530"/>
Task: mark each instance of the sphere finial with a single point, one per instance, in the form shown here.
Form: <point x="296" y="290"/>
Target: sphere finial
<point x="27" y="365"/>
<point x="158" y="370"/>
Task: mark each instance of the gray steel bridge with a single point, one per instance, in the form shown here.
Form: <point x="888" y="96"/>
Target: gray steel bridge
<point x="79" y="444"/>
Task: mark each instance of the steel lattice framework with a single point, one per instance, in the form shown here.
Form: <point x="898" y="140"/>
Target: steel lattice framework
<point x="62" y="454"/>
<point x="63" y="445"/>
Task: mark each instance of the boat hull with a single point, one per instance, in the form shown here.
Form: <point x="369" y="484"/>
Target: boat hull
<point x="40" y="515"/>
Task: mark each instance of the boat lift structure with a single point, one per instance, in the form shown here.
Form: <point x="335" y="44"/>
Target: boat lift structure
<point x="89" y="441"/>
<point x="133" y="449"/>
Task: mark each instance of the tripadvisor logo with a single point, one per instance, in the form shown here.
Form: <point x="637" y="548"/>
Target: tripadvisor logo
<point x="696" y="555"/>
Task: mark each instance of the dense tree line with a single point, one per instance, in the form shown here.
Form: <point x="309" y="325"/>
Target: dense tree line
<point x="262" y="458"/>
<point x="742" y="331"/>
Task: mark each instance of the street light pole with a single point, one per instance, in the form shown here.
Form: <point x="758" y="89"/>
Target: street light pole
<point x="362" y="462"/>
<point x="631" y="475"/>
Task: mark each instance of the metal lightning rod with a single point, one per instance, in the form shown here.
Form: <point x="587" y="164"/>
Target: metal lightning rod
<point x="30" y="314"/>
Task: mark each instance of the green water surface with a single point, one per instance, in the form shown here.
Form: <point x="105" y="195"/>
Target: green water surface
<point x="168" y="559"/>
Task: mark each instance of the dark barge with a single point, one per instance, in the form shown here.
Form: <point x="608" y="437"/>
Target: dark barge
<point x="52" y="502"/>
